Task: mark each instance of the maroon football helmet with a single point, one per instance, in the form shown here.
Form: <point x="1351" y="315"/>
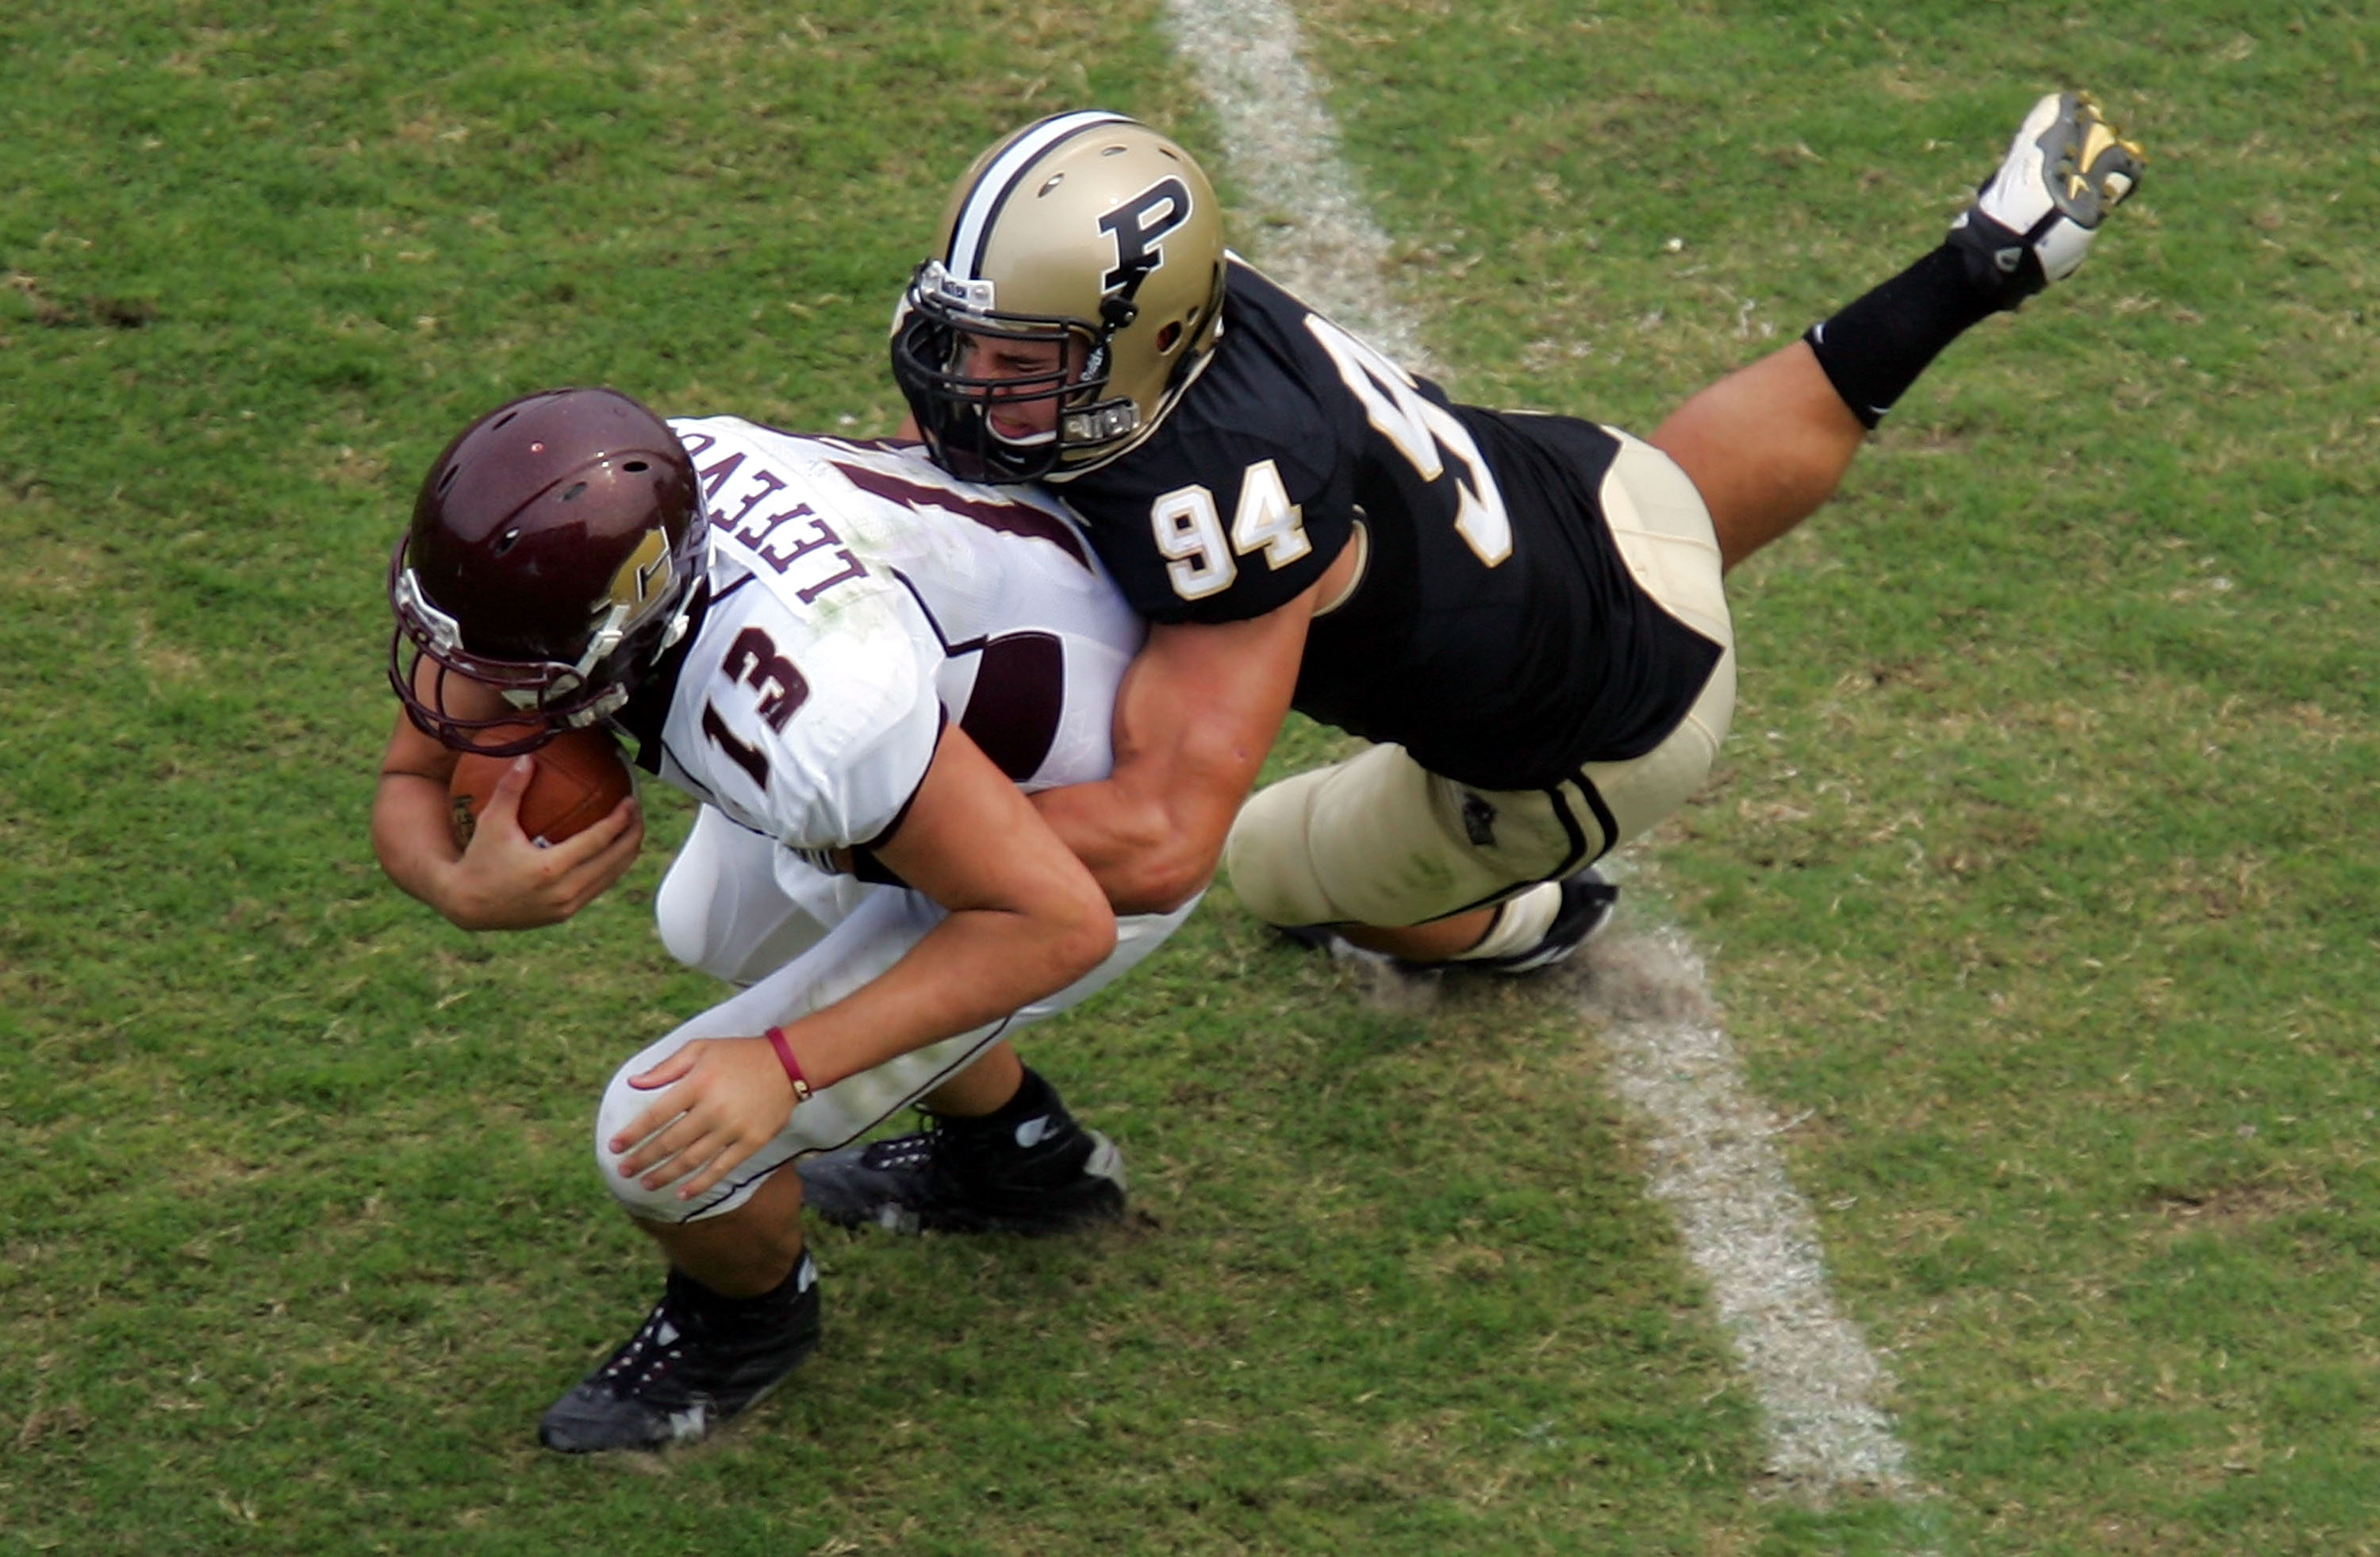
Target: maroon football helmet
<point x="553" y="555"/>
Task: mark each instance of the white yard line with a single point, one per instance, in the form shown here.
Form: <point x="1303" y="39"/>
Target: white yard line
<point x="1320" y="241"/>
<point x="1714" y="1164"/>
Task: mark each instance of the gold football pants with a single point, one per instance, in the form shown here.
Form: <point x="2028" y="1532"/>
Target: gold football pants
<point x="1380" y="840"/>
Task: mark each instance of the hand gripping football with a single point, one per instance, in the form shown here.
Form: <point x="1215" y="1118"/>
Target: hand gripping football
<point x="580" y="776"/>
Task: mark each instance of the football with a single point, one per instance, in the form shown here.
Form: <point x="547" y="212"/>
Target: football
<point x="580" y="776"/>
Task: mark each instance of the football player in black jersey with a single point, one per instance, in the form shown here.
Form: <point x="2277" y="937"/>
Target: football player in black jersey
<point x="1523" y="612"/>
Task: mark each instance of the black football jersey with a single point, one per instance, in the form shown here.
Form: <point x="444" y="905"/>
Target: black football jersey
<point x="1497" y="634"/>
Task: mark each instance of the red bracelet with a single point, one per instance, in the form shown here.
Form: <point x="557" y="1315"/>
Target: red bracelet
<point x="776" y="1037"/>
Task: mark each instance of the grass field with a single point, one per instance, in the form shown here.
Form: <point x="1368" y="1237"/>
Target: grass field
<point x="2037" y="888"/>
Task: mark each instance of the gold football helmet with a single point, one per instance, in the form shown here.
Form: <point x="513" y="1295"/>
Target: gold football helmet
<point x="1086" y="232"/>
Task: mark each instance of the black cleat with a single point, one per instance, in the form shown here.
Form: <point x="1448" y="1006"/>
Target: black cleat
<point x="684" y="1371"/>
<point x="1045" y="1175"/>
<point x="1587" y="901"/>
<point x="1587" y="906"/>
<point x="1313" y="937"/>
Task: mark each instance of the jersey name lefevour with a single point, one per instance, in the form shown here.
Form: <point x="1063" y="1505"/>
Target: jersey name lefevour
<point x="858" y="598"/>
<point x="1497" y="633"/>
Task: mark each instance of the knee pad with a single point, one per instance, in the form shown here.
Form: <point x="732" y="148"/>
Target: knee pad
<point x="1380" y="840"/>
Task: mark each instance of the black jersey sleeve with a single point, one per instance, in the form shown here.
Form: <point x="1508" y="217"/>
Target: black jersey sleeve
<point x="1241" y="527"/>
<point x="1246" y="493"/>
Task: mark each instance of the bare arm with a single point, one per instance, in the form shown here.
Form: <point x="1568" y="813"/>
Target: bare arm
<point x="502" y="880"/>
<point x="1026" y="919"/>
<point x="1197" y="711"/>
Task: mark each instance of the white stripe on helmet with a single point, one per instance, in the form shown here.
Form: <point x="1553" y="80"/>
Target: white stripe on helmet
<point x="983" y="202"/>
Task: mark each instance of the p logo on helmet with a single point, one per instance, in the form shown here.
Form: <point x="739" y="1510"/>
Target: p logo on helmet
<point x="1139" y="227"/>
<point x="643" y="579"/>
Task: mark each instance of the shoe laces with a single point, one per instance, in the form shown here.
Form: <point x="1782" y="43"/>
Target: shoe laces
<point x="918" y="1150"/>
<point x="658" y="1344"/>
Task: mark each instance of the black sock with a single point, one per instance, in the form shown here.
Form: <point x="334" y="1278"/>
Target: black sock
<point x="1034" y="1096"/>
<point x="1873" y="351"/>
<point x="694" y="1297"/>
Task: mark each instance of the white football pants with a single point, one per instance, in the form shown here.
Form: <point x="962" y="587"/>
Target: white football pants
<point x="737" y="906"/>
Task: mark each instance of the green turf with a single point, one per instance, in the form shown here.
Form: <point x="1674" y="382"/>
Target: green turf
<point x="2038" y="875"/>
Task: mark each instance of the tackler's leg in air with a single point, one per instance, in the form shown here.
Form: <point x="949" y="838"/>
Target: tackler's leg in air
<point x="1768" y="444"/>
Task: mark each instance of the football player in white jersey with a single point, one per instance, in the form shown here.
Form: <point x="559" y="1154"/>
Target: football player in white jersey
<point x="857" y="665"/>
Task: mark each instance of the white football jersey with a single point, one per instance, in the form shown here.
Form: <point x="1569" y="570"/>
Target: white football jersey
<point x="860" y="597"/>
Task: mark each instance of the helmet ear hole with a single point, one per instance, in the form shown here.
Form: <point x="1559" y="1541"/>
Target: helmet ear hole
<point x="1168" y="338"/>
